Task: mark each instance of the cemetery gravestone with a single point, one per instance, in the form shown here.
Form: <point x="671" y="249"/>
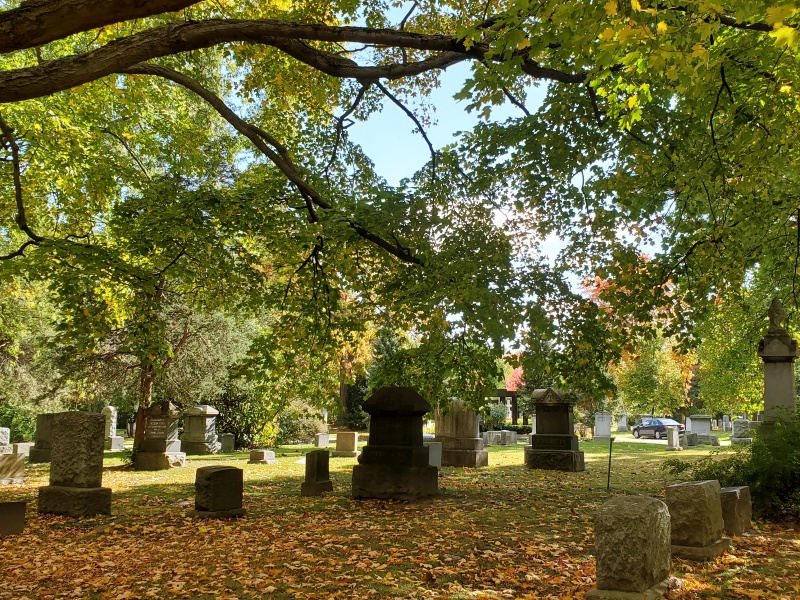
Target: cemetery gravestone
<point x="261" y="456"/>
<point x="778" y="350"/>
<point x="695" y="509"/>
<point x="492" y="438"/>
<point x="5" y="440"/>
<point x="689" y="426"/>
<point x="395" y="463"/>
<point x="227" y="442"/>
<point x="737" y="509"/>
<point x="112" y="440"/>
<point x="741" y="432"/>
<point x="673" y="439"/>
<point x="701" y="426"/>
<point x="622" y="424"/>
<point x="161" y="448"/>
<point x="508" y="438"/>
<point x="554" y="446"/>
<point x="42" y="448"/>
<point x="726" y="423"/>
<point x="76" y="469"/>
<point x="12" y="468"/>
<point x="533" y="424"/>
<point x="199" y="431"/>
<point x="322" y="440"/>
<point x="632" y="549"/>
<point x="12" y="518"/>
<point x="23" y="448"/>
<point x="602" y="426"/>
<point x="218" y="492"/>
<point x="458" y="431"/>
<point x="318" y="478"/>
<point x="346" y="444"/>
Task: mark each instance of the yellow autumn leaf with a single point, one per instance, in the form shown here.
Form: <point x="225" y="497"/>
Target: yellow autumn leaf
<point x="700" y="51"/>
<point x="661" y="28"/>
<point x="611" y="7"/>
<point x="633" y="101"/>
<point x="776" y="15"/>
<point x="635" y="5"/>
<point x="785" y="36"/>
<point x="524" y="44"/>
<point x="786" y="89"/>
<point x="607" y="34"/>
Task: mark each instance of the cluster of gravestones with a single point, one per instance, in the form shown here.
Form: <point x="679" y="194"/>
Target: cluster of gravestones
<point x="637" y="536"/>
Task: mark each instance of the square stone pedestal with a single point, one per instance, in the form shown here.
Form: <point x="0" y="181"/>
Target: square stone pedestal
<point x="262" y="457"/>
<point x="159" y="461"/>
<point x="218" y="492"/>
<point x="115" y="442"/>
<point x="398" y="483"/>
<point x="737" y="509"/>
<point x="74" y="501"/>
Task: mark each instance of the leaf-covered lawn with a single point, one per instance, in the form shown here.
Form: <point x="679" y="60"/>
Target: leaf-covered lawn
<point x="497" y="532"/>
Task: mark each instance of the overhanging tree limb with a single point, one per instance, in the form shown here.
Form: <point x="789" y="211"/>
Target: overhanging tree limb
<point x="38" y="22"/>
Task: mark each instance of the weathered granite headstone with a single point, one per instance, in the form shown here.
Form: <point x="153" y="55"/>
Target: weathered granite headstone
<point x="778" y="350"/>
<point x="632" y="549"/>
<point x="726" y="423"/>
<point x="689" y="424"/>
<point x="394" y="463"/>
<point x="42" y="448"/>
<point x="673" y="439"/>
<point x="346" y="443"/>
<point x="318" y="478"/>
<point x="199" y="431"/>
<point x="260" y="456"/>
<point x="12" y="468"/>
<point x="695" y="509"/>
<point x="76" y="469"/>
<point x="227" y="442"/>
<point x="322" y="440"/>
<point x="459" y="432"/>
<point x="701" y="424"/>
<point x="737" y="509"/>
<point x="533" y="424"/>
<point x="602" y="426"/>
<point x="218" y="492"/>
<point x="5" y="440"/>
<point x="741" y="432"/>
<point x="554" y="446"/>
<point x="161" y="448"/>
<point x="112" y="440"/>
<point x="12" y="518"/>
<point x="508" y="438"/>
<point x="492" y="438"/>
<point x="622" y="424"/>
<point x="23" y="448"/>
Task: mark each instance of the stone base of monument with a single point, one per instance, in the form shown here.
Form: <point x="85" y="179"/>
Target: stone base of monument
<point x="463" y="452"/>
<point x="39" y="455"/>
<point x="12" y="468"/>
<point x="12" y="518"/>
<point x="200" y="448"/>
<point x="601" y="438"/>
<point x="159" y="461"/>
<point x="115" y="442"/>
<point x="741" y="440"/>
<point x="653" y="593"/>
<point x="262" y="457"/>
<point x="688" y="440"/>
<point x="701" y="553"/>
<point x="350" y="453"/>
<point x="707" y="439"/>
<point x="396" y="483"/>
<point x="74" y="502"/>
<point x="737" y="509"/>
<point x="315" y="488"/>
<point x="554" y="460"/>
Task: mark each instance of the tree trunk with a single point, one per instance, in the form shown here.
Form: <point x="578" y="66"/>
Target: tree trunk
<point x="146" y="391"/>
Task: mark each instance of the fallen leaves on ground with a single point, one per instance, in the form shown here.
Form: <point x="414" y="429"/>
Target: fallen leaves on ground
<point x="493" y="533"/>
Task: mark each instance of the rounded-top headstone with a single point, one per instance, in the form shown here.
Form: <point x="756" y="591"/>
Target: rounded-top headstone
<point x="163" y="409"/>
<point x="397" y="401"/>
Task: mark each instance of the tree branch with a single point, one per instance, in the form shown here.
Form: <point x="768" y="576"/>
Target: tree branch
<point x="131" y="153"/>
<point x="71" y="71"/>
<point x="9" y="140"/>
<point x="37" y="22"/>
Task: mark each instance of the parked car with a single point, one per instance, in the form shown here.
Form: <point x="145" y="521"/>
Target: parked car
<point x="656" y="428"/>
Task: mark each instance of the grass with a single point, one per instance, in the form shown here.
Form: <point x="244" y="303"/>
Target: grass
<point x="497" y="532"/>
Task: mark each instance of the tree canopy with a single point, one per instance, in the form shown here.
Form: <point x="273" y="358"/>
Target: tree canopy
<point x="200" y="150"/>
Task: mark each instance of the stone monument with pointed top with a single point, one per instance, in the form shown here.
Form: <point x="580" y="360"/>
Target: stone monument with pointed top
<point x="778" y="351"/>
